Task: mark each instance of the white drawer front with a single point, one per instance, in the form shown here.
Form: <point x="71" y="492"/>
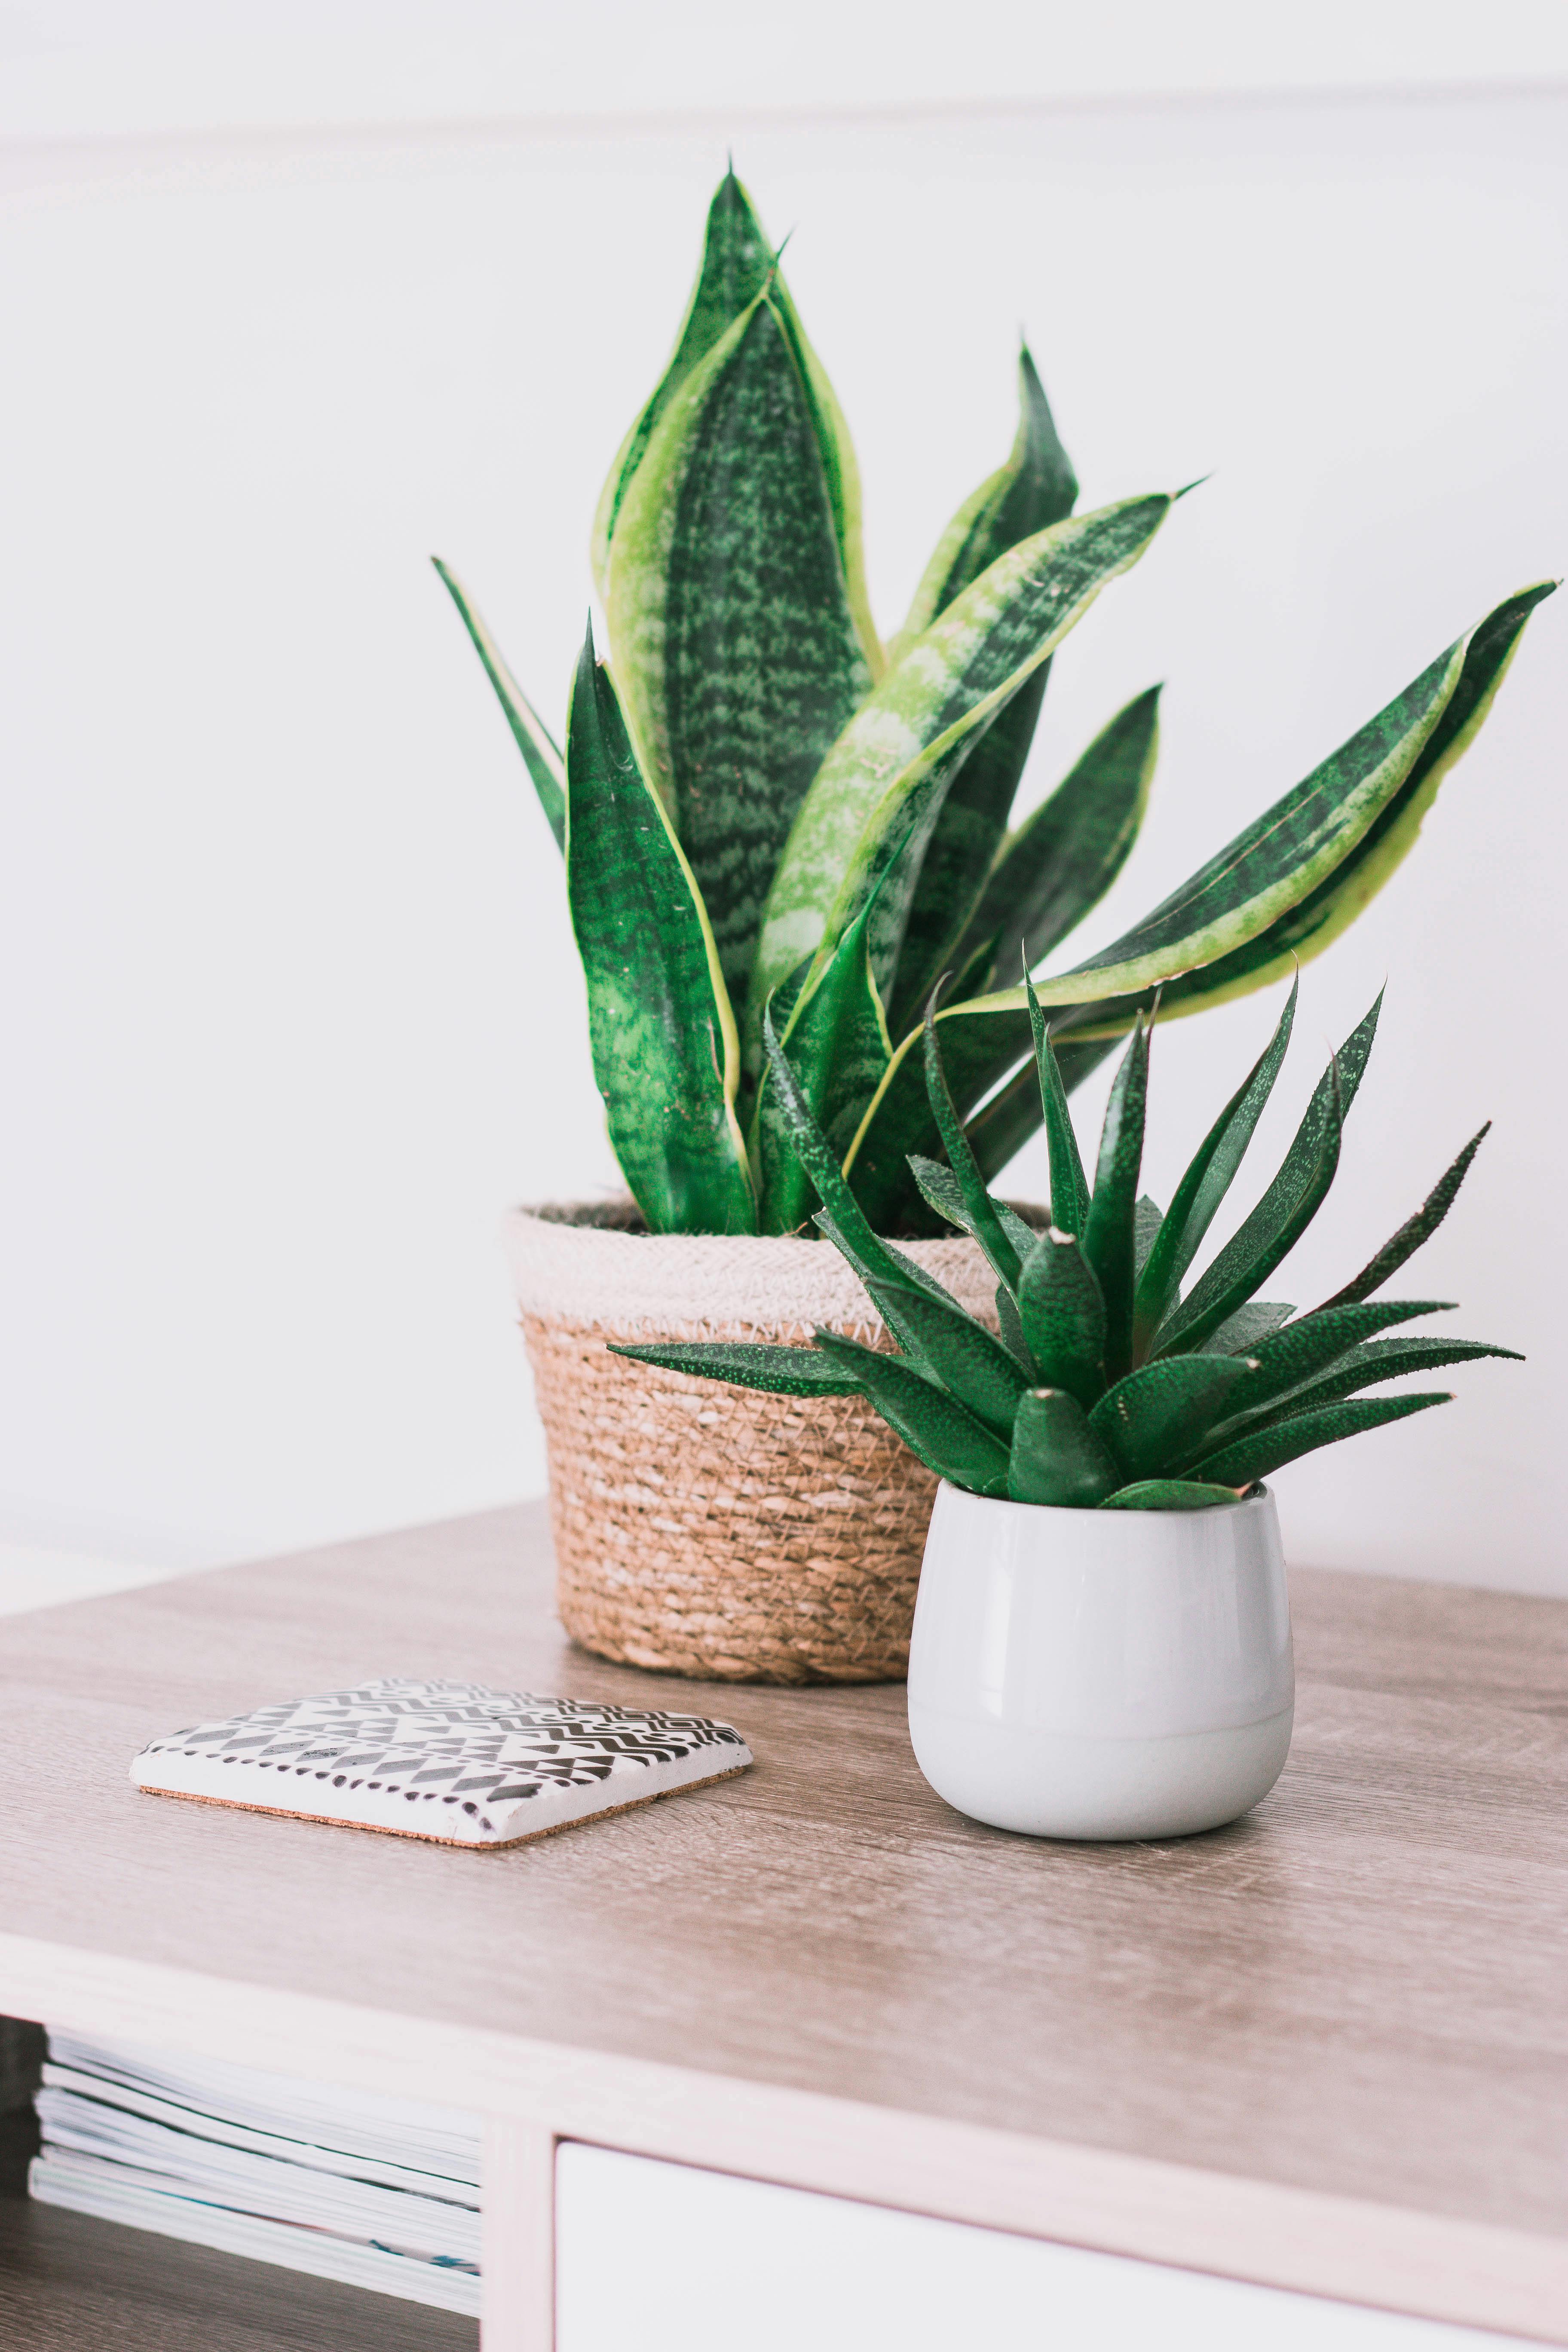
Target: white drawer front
<point x="654" y="2257"/>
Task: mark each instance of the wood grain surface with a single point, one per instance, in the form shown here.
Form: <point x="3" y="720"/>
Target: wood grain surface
<point x="71" y="2284"/>
<point x="1361" y="1990"/>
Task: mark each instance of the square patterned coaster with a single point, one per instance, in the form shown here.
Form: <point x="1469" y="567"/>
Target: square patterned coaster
<point x="452" y="1763"/>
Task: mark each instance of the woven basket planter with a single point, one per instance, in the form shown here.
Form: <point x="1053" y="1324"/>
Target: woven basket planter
<point x="703" y="1529"/>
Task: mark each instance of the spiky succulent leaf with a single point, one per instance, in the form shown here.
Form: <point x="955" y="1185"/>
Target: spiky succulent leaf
<point x="1148" y="1217"/>
<point x="1062" y="1309"/>
<point x="1207" y="1179"/>
<point x="1312" y="1345"/>
<point x="940" y="1188"/>
<point x="947" y="1438"/>
<point x="663" y="1036"/>
<point x="956" y="1351"/>
<point x="1152" y="1421"/>
<point x="540" y="755"/>
<point x="1002" y="1252"/>
<point x="1240" y="1332"/>
<point x="1010" y="1323"/>
<point x="1035" y="488"/>
<point x="1286" y="1440"/>
<point x="730" y="620"/>
<point x="1169" y="1495"/>
<point x="1070" y="1185"/>
<point x="837" y="1039"/>
<point x="1057" y="1458"/>
<point x="745" y="1364"/>
<point x="899" y="753"/>
<point x="1001" y="1128"/>
<point x="892" y="1264"/>
<point x="1379" y="1359"/>
<point x="1110" y="1228"/>
<point x="1062" y="860"/>
<point x="1287" y="1208"/>
<point x="841" y="1217"/>
<point x="1415" y="1230"/>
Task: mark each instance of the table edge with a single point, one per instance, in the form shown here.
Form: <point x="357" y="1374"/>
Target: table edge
<point x="1430" y="2265"/>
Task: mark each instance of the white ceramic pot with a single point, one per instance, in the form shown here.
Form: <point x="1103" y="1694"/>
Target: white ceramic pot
<point x="1101" y="1674"/>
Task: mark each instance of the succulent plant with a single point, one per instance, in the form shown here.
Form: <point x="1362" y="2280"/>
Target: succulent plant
<point x="1103" y="1387"/>
<point x="767" y="806"/>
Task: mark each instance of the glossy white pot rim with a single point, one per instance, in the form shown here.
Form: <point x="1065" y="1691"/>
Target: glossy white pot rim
<point x="1257" y="1503"/>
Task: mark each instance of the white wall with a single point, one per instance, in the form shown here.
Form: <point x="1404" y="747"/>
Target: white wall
<point x="291" y="1009"/>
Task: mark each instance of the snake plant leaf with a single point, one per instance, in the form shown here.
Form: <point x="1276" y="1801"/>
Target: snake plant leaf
<point x="1287" y="1208"/>
<point x="1169" y="1495"/>
<point x="1002" y="1252"/>
<point x="659" y="1024"/>
<point x="737" y="262"/>
<point x="963" y="841"/>
<point x="957" y="1351"/>
<point x="1062" y="1309"/>
<point x="732" y="621"/>
<point x="934" y="1425"/>
<point x="1380" y="1360"/>
<point x="1062" y="860"/>
<point x="1317" y="918"/>
<point x="1252" y="1458"/>
<point x="1156" y="1416"/>
<point x="1035" y="488"/>
<point x="1057" y="1458"/>
<point x="1240" y="1332"/>
<point x="940" y="1188"/>
<point x="1313" y="860"/>
<point x="837" y="1041"/>
<point x="1110" y="1228"/>
<point x="1070" y="1185"/>
<point x="999" y="1130"/>
<point x="541" y="756"/>
<point x="900" y="752"/>
<point x="1207" y="1179"/>
<point x="745" y="1364"/>
<point x="1414" y="1231"/>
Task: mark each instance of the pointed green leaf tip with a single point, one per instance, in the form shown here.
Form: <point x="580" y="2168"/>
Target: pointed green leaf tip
<point x="739" y="264"/>
<point x="541" y="757"/>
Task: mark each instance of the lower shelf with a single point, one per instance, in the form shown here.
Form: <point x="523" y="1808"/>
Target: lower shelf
<point x="69" y="2283"/>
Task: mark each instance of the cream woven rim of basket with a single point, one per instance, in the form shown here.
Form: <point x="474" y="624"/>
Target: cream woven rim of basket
<point x="578" y="1263"/>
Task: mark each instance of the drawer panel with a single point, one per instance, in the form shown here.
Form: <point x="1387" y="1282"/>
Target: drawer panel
<point x="662" y="2257"/>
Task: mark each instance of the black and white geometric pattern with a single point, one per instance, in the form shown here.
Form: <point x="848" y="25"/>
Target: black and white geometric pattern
<point x="445" y="1760"/>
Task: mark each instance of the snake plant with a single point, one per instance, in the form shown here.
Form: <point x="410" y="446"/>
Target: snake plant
<point x="1103" y="1388"/>
<point x="763" y="805"/>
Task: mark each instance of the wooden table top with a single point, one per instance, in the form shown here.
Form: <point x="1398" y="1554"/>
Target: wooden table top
<point x="1360" y="1992"/>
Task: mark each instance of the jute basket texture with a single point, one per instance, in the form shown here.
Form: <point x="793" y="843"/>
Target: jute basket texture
<point x="708" y="1530"/>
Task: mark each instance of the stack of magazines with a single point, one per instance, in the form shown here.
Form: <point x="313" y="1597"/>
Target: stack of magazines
<point x="375" y="2192"/>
